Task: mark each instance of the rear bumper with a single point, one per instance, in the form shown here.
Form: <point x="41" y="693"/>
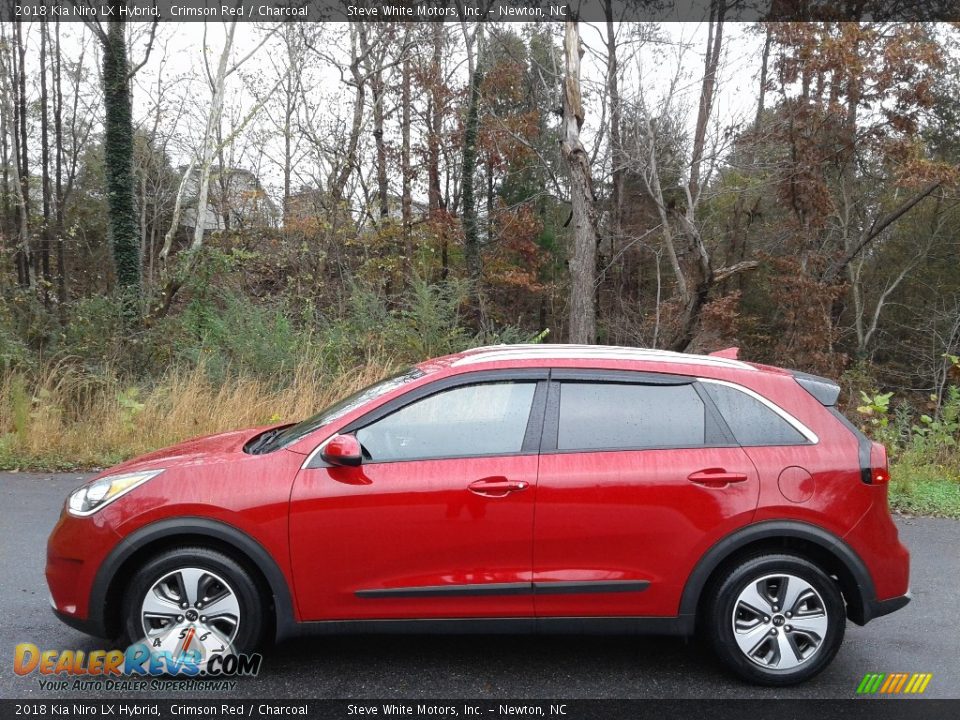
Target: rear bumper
<point x="879" y="608"/>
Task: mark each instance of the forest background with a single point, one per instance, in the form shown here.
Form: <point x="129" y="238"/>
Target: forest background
<point x="215" y="225"/>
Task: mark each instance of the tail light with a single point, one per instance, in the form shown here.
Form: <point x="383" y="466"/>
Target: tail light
<point x="879" y="472"/>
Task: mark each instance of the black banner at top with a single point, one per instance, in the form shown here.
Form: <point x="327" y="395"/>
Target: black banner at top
<point x="477" y="10"/>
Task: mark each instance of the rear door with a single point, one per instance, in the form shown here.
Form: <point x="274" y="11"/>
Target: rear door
<point x="638" y="476"/>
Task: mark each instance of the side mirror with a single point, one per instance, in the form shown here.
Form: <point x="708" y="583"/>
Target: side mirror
<point x="343" y="450"/>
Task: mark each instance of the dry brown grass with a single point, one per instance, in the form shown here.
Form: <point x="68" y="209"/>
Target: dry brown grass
<point x="63" y="417"/>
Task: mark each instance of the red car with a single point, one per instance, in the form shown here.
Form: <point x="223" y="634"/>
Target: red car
<point x="511" y="488"/>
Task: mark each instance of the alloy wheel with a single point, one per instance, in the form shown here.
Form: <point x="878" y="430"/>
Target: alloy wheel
<point x="190" y="609"/>
<point x="779" y="621"/>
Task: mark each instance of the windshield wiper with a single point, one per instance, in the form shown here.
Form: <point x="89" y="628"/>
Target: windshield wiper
<point x="259" y="446"/>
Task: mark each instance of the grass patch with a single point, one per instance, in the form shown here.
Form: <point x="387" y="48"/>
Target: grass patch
<point x="919" y="488"/>
<point x="64" y="418"/>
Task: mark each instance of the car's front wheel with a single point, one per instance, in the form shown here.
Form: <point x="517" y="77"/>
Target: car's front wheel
<point x="193" y="599"/>
<point x="776" y="619"/>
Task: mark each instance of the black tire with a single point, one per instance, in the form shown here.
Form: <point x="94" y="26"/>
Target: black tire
<point x="720" y="620"/>
<point x="250" y="628"/>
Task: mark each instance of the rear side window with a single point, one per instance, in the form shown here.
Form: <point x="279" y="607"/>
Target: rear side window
<point x="487" y="419"/>
<point x="751" y="422"/>
<point x="615" y="416"/>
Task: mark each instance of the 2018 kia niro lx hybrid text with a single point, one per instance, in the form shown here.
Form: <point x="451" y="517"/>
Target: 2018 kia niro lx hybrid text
<point x="511" y="488"/>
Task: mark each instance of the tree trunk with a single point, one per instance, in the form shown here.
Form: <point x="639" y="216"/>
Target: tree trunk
<point x="434" y="120"/>
<point x="45" y="170"/>
<point x="287" y="146"/>
<point x="210" y="147"/>
<point x="61" y="199"/>
<point x="764" y="63"/>
<point x="7" y="226"/>
<point x="291" y="90"/>
<point x="224" y="178"/>
<point x="583" y="324"/>
<point x="471" y="230"/>
<point x="118" y="154"/>
<point x="702" y="277"/>
<point x="24" y="255"/>
<point x="406" y="201"/>
<point x="618" y="163"/>
<point x="339" y="182"/>
<point x="383" y="190"/>
<point x="707" y="92"/>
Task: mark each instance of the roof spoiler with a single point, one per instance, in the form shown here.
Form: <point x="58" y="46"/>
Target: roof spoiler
<point x="729" y="353"/>
<point x="823" y="389"/>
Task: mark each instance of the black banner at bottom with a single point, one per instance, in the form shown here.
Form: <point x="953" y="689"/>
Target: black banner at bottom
<point x="853" y="709"/>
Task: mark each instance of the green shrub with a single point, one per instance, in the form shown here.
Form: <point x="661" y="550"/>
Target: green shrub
<point x="923" y="449"/>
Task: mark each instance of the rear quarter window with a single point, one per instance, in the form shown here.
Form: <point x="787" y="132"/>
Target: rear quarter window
<point x="752" y="423"/>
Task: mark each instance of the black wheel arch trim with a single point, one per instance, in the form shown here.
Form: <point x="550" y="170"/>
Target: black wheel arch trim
<point x="859" y="610"/>
<point x="98" y="624"/>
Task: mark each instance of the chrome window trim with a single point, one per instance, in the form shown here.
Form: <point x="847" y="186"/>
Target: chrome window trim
<point x="318" y="449"/>
<point x="809" y="434"/>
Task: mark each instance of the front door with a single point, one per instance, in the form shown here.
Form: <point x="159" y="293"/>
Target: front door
<point x="437" y="522"/>
<point x="636" y="480"/>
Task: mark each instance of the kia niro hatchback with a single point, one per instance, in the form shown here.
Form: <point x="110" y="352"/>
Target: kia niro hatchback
<point x="551" y="488"/>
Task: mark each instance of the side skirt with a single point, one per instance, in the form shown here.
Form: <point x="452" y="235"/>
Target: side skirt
<point x="682" y="625"/>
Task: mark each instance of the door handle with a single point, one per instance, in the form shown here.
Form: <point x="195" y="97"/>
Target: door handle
<point x="497" y="486"/>
<point x="716" y="477"/>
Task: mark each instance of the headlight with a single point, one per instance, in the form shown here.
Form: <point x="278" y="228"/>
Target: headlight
<point x="87" y="499"/>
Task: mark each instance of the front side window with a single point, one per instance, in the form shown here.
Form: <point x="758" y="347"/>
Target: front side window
<point x="612" y="416"/>
<point x="472" y="420"/>
<point x="751" y="422"/>
<point x="293" y="433"/>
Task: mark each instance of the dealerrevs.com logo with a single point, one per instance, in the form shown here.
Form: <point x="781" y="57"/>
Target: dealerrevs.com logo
<point x="140" y="667"/>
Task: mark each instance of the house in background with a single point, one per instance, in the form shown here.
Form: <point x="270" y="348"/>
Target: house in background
<point x="235" y="201"/>
<point x="310" y="203"/>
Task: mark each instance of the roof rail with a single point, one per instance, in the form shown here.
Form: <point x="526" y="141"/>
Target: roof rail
<point x="494" y="353"/>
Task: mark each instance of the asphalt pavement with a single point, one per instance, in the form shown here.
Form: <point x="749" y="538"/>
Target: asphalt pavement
<point x="923" y="637"/>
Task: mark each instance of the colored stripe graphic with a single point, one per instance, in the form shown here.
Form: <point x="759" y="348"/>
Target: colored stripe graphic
<point x="894" y="683"/>
<point x="870" y="683"/>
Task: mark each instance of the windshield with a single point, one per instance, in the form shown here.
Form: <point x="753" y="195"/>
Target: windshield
<point x="286" y="436"/>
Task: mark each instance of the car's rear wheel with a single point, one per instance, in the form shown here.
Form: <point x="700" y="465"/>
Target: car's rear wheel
<point x="776" y="619"/>
<point x="194" y="599"/>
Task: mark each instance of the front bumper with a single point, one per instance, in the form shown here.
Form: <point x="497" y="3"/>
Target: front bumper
<point x="75" y="550"/>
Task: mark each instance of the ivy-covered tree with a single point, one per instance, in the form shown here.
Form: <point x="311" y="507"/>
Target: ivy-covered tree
<point x="118" y="147"/>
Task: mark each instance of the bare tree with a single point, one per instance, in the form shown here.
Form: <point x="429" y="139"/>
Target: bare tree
<point x="374" y="61"/>
<point x="46" y="190"/>
<point x="213" y="143"/>
<point x="680" y="227"/>
<point x="583" y="322"/>
<point x="406" y="195"/>
<point x="291" y="89"/>
<point x="217" y="84"/>
<point x="14" y="110"/>
<point x="435" y="117"/>
<point x="618" y="172"/>
<point x="59" y="230"/>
